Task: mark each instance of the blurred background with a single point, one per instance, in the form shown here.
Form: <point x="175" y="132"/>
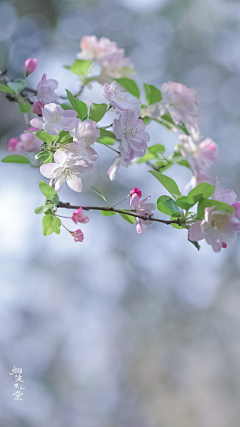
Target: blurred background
<point x="122" y="330"/>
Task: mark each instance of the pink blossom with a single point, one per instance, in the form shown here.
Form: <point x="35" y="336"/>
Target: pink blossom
<point x="66" y="169"/>
<point x="77" y="235"/>
<point x="137" y="192"/>
<point x="200" y="156"/>
<point x="30" y="65"/>
<point x="120" y="99"/>
<point x="37" y="108"/>
<point x="12" y="144"/>
<point x="45" y="90"/>
<point x="84" y="135"/>
<point x="218" y="227"/>
<point x="79" y="216"/>
<point x="198" y="179"/>
<point x="99" y="50"/>
<point x="115" y="165"/>
<point x="182" y="104"/>
<point x="142" y="208"/>
<point x="26" y="142"/>
<point x="54" y="119"/>
<point x="133" y="138"/>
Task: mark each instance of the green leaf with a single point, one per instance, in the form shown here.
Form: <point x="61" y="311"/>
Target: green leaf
<point x="146" y="158"/>
<point x="24" y="107"/>
<point x="99" y="193"/>
<point x="129" y="85"/>
<point x="219" y="206"/>
<point x="4" y="88"/>
<point x="164" y="164"/>
<point x="51" y="224"/>
<point x="49" y="192"/>
<point x="66" y="106"/>
<point x="196" y="244"/>
<point x="65" y="137"/>
<point x="79" y="67"/>
<point x="185" y="202"/>
<point x="44" y="208"/>
<point x="78" y="106"/>
<point x="168" y="183"/>
<point x="18" y="85"/>
<point x="107" y="213"/>
<point x="173" y="218"/>
<point x="167" y="118"/>
<point x="128" y="218"/>
<point x="16" y="159"/>
<point x="203" y="190"/>
<point x="182" y="162"/>
<point x="167" y="205"/>
<point x="97" y="111"/>
<point x="45" y="137"/>
<point x="145" y="120"/>
<point x="152" y="94"/>
<point x="157" y="148"/>
<point x="106" y="137"/>
<point x="49" y="159"/>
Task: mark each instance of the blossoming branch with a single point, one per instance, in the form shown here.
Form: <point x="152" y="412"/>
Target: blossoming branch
<point x="64" y="135"/>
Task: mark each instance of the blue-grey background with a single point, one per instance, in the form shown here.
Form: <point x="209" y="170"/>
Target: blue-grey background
<point x="122" y="330"/>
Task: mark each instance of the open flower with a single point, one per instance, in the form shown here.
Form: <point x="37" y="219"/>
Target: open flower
<point x="200" y="156"/>
<point x="54" y="119"/>
<point x="84" y="135"/>
<point x="66" y="169"/>
<point x="77" y="235"/>
<point x="218" y="227"/>
<point x="142" y="208"/>
<point x="79" y="216"/>
<point x="121" y="100"/>
<point x="133" y="138"/>
<point x="45" y="90"/>
<point x="27" y="141"/>
<point x="115" y="165"/>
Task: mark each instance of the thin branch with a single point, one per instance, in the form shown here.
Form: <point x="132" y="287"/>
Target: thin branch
<point x="147" y="217"/>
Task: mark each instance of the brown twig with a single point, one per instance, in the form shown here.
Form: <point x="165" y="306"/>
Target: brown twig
<point x="147" y="217"/>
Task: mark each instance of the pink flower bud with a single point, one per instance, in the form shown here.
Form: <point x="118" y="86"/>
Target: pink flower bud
<point x="30" y="65"/>
<point x="137" y="192"/>
<point x="12" y="144"/>
<point x="224" y="245"/>
<point x="78" y="216"/>
<point x="37" y="108"/>
<point x="77" y="235"/>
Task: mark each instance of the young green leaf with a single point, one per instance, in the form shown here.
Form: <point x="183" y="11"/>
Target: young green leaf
<point x="18" y="85"/>
<point x="107" y="213"/>
<point x="168" y="119"/>
<point x="24" y="107"/>
<point x="6" y="89"/>
<point x="152" y="94"/>
<point x="168" y="183"/>
<point x="45" y="137"/>
<point x="128" y="218"/>
<point x="78" y="106"/>
<point x="129" y="85"/>
<point x="106" y="137"/>
<point x="44" y="208"/>
<point x="196" y="244"/>
<point x="16" y="159"/>
<point x="49" y="192"/>
<point x="50" y="224"/>
<point x="185" y="202"/>
<point x="173" y="218"/>
<point x="97" y="111"/>
<point x="203" y="190"/>
<point x="99" y="193"/>
<point x="146" y="158"/>
<point x="79" y="67"/>
<point x="167" y="205"/>
<point x="157" y="148"/>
